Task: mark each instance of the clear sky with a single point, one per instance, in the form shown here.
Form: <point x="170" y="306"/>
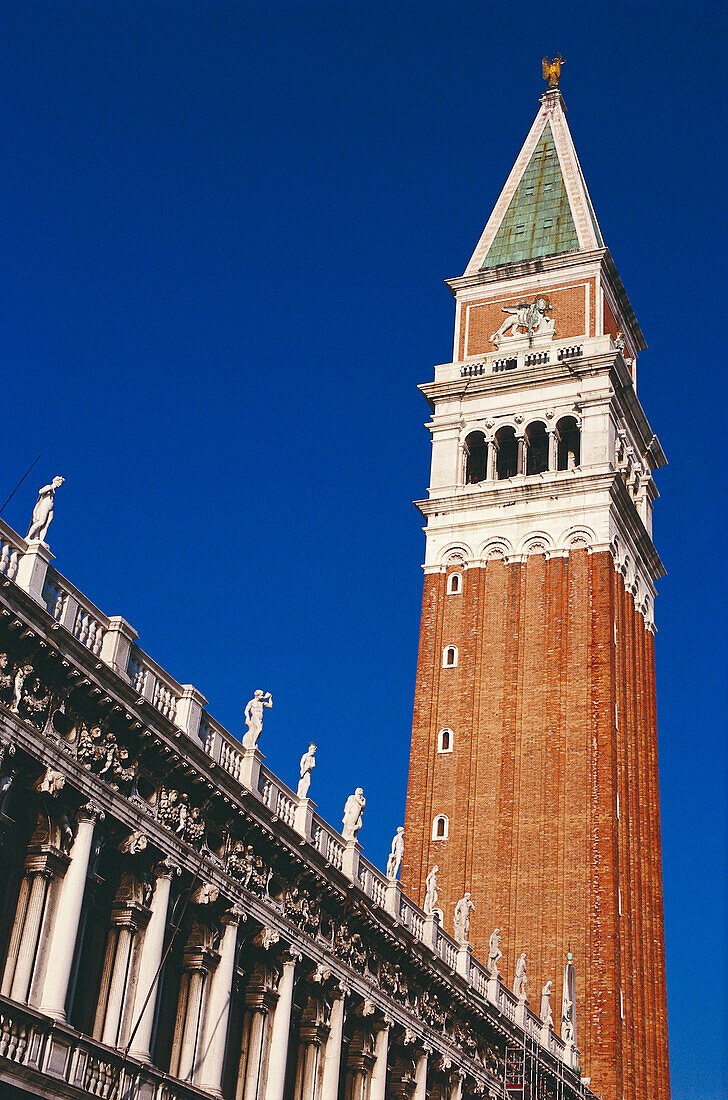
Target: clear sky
<point x="225" y="229"/>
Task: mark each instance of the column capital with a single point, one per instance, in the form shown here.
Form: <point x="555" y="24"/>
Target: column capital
<point x="90" y="812"/>
<point x="235" y="915"/>
<point x="166" y="868"/>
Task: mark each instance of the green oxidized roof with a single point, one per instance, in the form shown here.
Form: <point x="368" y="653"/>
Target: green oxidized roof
<point x="538" y="221"/>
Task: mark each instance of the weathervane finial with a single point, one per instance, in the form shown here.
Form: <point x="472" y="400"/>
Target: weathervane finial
<point x="552" y="70"/>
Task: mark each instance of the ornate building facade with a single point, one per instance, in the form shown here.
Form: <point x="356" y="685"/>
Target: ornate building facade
<point x="176" y="923"/>
<point x="533" y="775"/>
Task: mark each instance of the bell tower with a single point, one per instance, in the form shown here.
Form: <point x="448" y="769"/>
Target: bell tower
<point x="533" y="773"/>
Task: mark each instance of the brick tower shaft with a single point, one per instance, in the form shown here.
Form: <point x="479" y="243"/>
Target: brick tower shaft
<point x="533" y="774"/>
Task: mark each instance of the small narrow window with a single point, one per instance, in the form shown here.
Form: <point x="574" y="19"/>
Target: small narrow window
<point x="450" y="656"/>
<point x="440" y="827"/>
<point x="444" y="740"/>
<point x="454" y="584"/>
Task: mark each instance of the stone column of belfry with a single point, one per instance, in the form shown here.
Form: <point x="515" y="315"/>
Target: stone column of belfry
<point x="214" y="1040"/>
<point x="44" y="870"/>
<point x="145" y="994"/>
<point x="68" y="916"/>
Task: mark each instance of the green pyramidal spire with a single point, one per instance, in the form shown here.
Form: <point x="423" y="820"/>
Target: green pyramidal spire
<point x="538" y="221"/>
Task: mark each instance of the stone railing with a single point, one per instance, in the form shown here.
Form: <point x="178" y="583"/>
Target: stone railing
<point x="42" y="1046"/>
<point x="504" y="359"/>
<point x="71" y="609"/>
<point x="12" y="547"/>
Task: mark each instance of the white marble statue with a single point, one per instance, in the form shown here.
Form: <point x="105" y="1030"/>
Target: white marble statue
<point x="431" y="895"/>
<point x="461" y="924"/>
<point x="530" y="316"/>
<point x="395" y="856"/>
<point x="353" y="810"/>
<point x="546" y="1013"/>
<point x="308" y="763"/>
<point x="43" y="511"/>
<point x="520" y="981"/>
<point x="253" y="715"/>
<point x="494" y="952"/>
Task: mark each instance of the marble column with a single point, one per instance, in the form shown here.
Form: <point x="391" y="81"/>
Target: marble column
<point x="27" y="932"/>
<point x="332" y="1052"/>
<point x="68" y="916"/>
<point x="142" y="1021"/>
<point x="553" y="448"/>
<point x="456" y="1086"/>
<point x="198" y="966"/>
<point x="420" y="1092"/>
<point x="378" y="1086"/>
<point x="121" y="956"/>
<point x="259" y="999"/>
<point x="217" y="1013"/>
<point x="522" y="450"/>
<point x="278" y="1057"/>
<point x="490" y="470"/>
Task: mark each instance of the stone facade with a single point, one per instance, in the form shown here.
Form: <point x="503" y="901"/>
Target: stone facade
<point x="536" y="648"/>
<point x="176" y="923"/>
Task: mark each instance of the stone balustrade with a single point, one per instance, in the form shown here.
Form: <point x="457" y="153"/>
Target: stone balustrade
<point x="50" y="1052"/>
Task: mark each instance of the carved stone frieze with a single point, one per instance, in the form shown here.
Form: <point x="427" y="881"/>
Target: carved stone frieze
<point x="174" y="810"/>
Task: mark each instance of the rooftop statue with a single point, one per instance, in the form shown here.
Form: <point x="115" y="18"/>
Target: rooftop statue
<point x="461" y="924"/>
<point x="253" y="715"/>
<point x="520" y="981"/>
<point x="308" y="763"/>
<point x="494" y="952"/>
<point x="353" y="810"/>
<point x="546" y="1014"/>
<point x="395" y="856"/>
<point x="43" y="511"/>
<point x="431" y="895"/>
<point x="552" y="70"/>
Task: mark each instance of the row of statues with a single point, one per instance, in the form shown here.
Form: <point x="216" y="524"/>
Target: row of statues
<point x="461" y="930"/>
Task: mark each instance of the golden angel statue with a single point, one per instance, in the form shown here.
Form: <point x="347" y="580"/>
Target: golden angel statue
<point x="552" y="70"/>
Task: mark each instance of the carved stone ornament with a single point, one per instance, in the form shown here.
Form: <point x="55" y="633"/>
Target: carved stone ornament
<point x="302" y="909"/>
<point x="51" y="782"/>
<point x="396" y="853"/>
<point x="174" y="810"/>
<point x="353" y="811"/>
<point x="266" y="938"/>
<point x="494" y="952"/>
<point x="133" y="844"/>
<point x="206" y="894"/>
<point x="100" y="752"/>
<point x="527" y="316"/>
<point x="350" y="948"/>
<point x="431" y="894"/>
<point x="520" y="980"/>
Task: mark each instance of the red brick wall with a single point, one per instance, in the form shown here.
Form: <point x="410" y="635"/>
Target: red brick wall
<point x="540" y="755"/>
<point x="485" y="318"/>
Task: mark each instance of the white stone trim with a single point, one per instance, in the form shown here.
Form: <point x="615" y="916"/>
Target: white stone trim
<point x="454" y="589"/>
<point x="444" y="835"/>
<point x="445" y="729"/>
<point x="445" y="651"/>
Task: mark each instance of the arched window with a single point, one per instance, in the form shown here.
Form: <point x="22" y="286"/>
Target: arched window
<point x="506" y="459"/>
<point x="444" y="740"/>
<point x="454" y="584"/>
<point x="440" y="827"/>
<point x="537" y="453"/>
<point x="569" y="450"/>
<point x="450" y="656"/>
<point x="476" y="458"/>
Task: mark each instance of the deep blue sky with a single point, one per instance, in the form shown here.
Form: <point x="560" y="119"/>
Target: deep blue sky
<point x="225" y="230"/>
